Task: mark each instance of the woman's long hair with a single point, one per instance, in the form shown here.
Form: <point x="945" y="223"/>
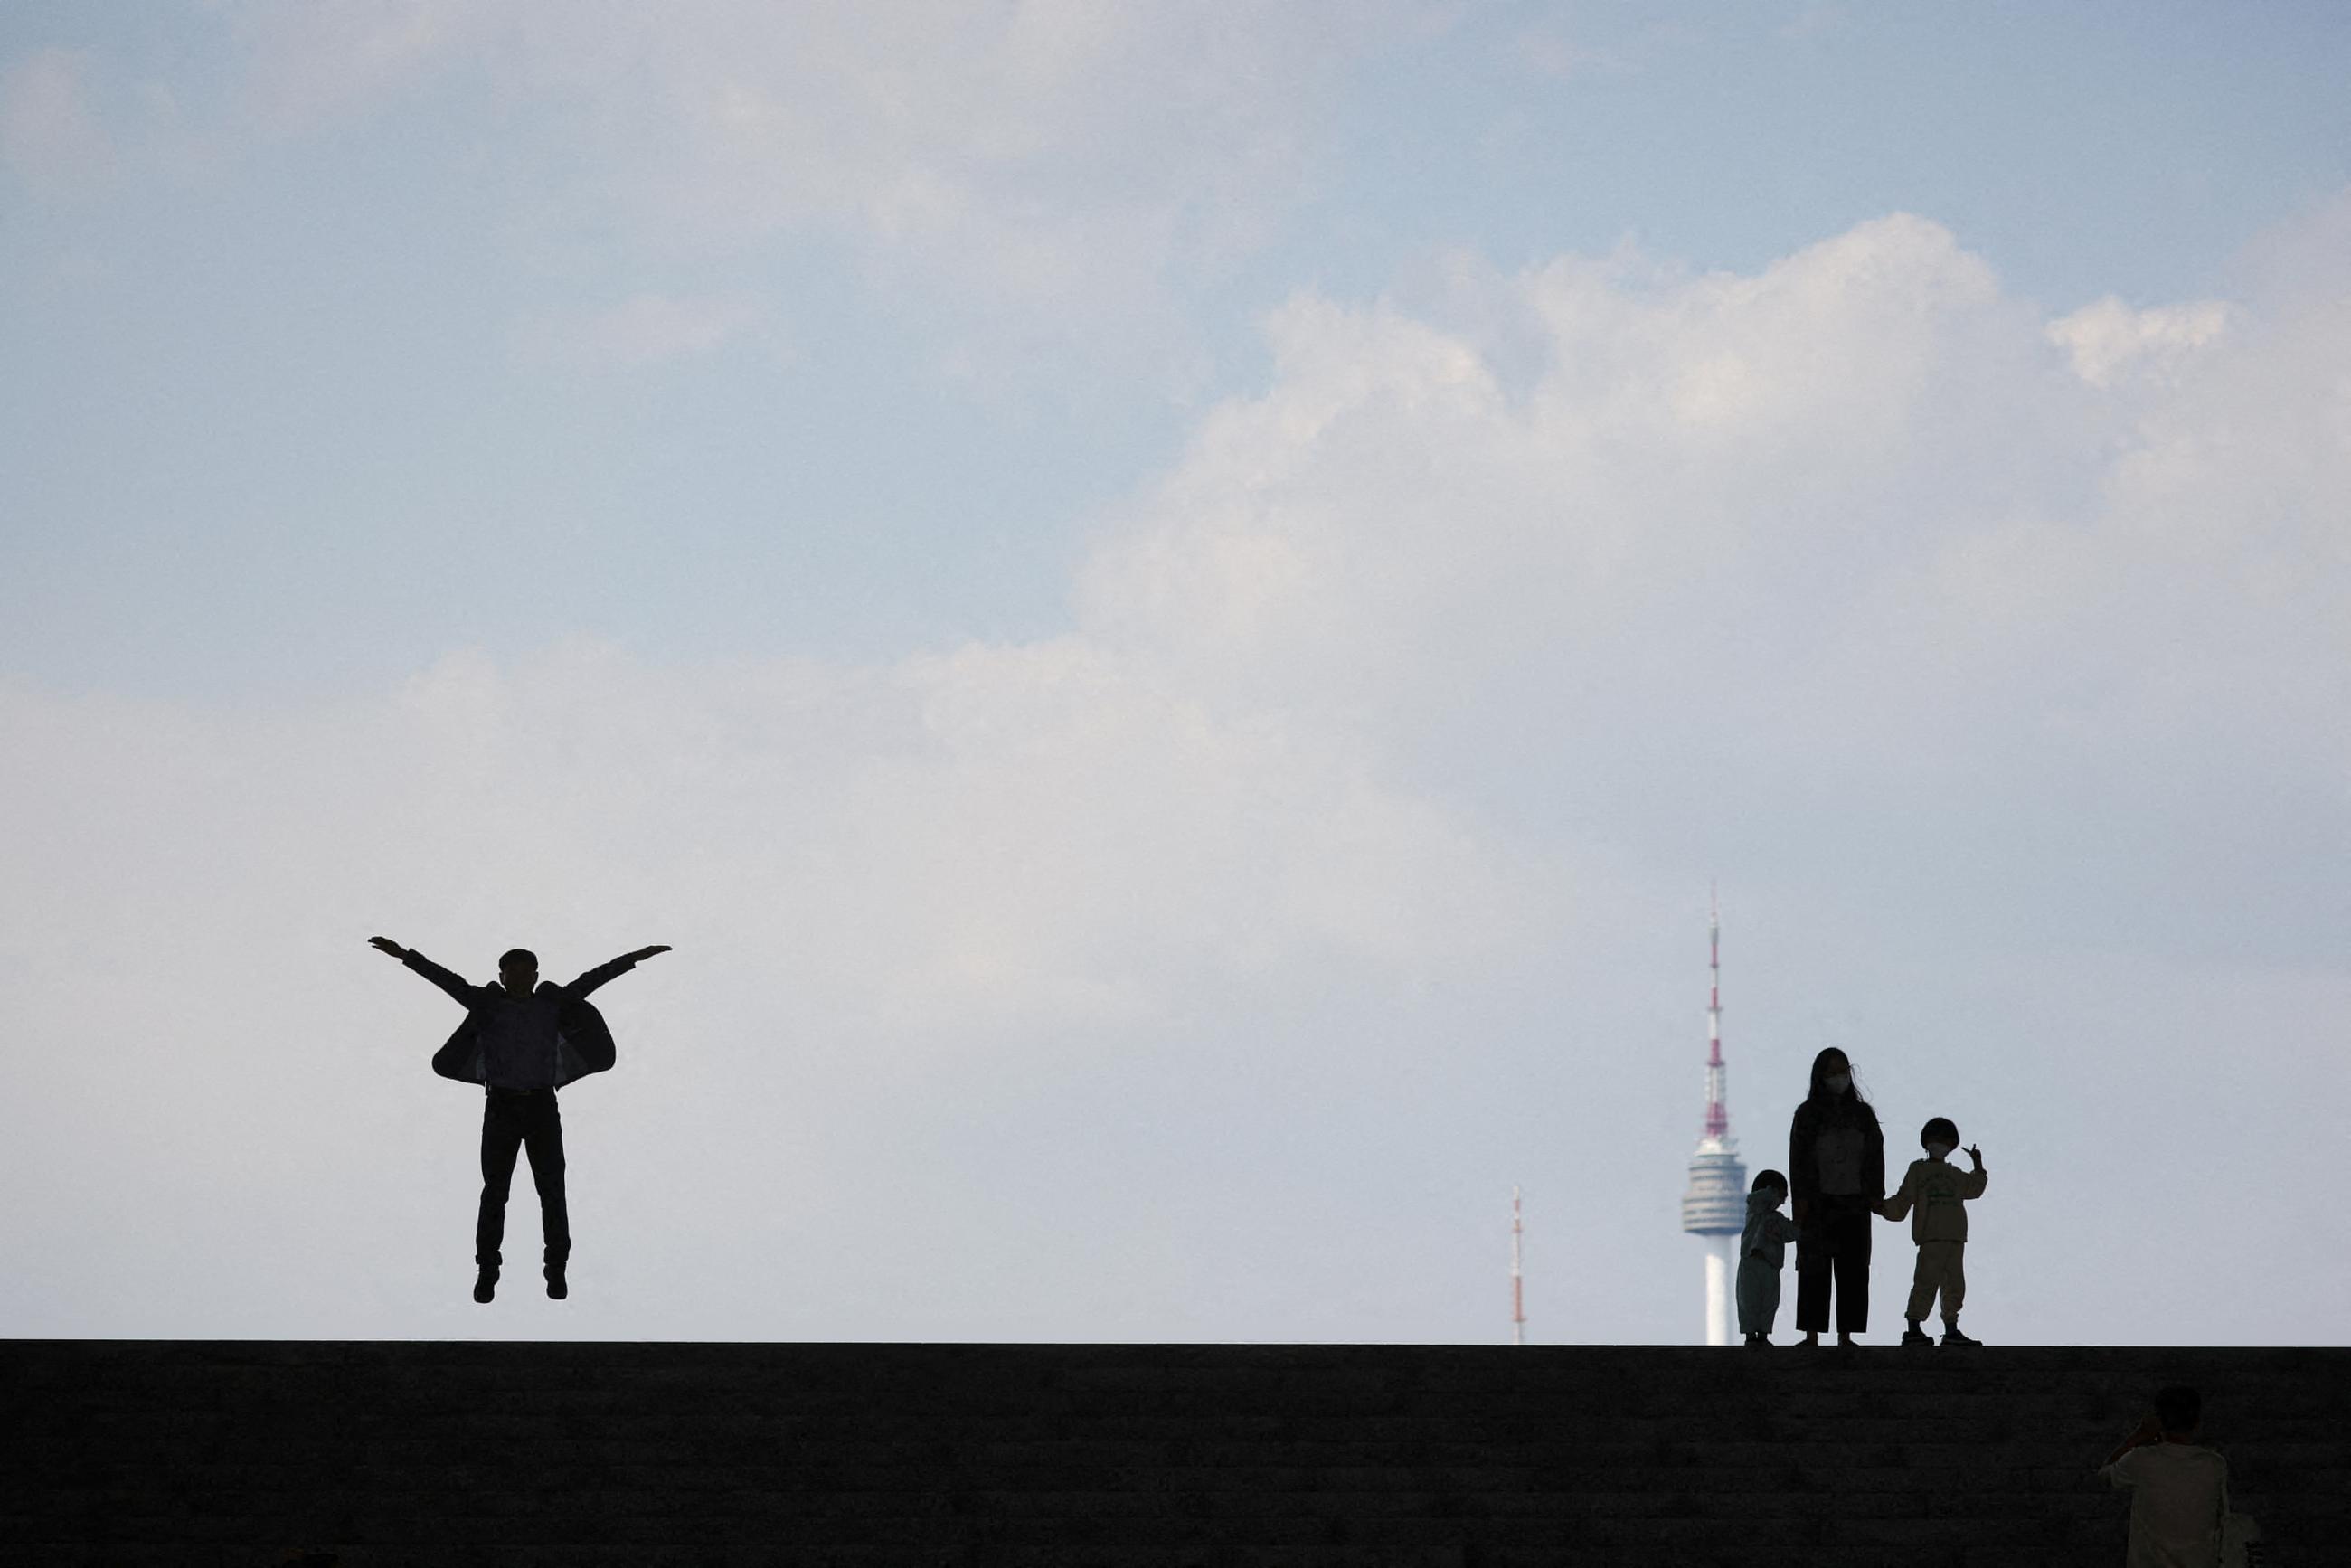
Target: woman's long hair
<point x="1818" y="1097"/>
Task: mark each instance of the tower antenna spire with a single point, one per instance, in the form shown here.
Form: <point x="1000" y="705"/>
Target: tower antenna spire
<point x="1518" y="1280"/>
<point x="1718" y="1113"/>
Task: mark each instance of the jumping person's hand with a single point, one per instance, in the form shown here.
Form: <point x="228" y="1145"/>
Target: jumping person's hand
<point x="386" y="945"/>
<point x="1976" y="1154"/>
<point x="643" y="953"/>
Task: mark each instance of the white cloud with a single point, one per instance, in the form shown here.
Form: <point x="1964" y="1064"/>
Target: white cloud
<point x="1326" y="852"/>
<point x="1860" y="475"/>
<point x="2108" y="340"/>
<point x="50" y="137"/>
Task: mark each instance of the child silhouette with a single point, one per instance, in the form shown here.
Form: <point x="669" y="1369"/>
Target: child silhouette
<point x="1762" y="1248"/>
<point x="1934" y="1193"/>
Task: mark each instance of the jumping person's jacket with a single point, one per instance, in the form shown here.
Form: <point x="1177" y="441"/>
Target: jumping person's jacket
<point x="1836" y="1151"/>
<point x="543" y="1040"/>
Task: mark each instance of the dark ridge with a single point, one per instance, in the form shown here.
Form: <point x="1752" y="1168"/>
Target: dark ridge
<point x="435" y="1455"/>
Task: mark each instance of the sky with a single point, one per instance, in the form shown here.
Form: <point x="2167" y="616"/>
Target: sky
<point x="1174" y="610"/>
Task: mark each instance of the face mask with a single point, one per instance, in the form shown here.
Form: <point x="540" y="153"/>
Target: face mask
<point x="1837" y="1083"/>
<point x="1939" y="1151"/>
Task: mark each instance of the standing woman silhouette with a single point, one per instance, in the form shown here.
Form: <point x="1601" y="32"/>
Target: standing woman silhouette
<point x="1836" y="1172"/>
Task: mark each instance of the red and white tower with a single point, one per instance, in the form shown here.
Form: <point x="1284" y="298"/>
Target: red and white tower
<point x="1714" y="1208"/>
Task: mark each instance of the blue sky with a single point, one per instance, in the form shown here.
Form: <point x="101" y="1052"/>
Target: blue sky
<point x="1174" y="606"/>
<point x="270" y="387"/>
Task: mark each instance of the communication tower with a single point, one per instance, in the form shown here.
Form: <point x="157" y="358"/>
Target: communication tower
<point x="1714" y="1209"/>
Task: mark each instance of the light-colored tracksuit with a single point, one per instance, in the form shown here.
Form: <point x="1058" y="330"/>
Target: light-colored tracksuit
<point x="1934" y="1193"/>
<point x="1762" y="1249"/>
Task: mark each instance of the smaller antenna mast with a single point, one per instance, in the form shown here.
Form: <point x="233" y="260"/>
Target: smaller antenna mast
<point x="1518" y="1282"/>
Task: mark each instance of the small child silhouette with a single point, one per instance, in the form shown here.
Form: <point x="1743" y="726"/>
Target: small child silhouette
<point x="1762" y="1248"/>
<point x="1934" y="1193"/>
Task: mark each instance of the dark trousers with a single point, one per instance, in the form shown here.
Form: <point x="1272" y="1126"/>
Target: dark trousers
<point x="512" y="1120"/>
<point x="1832" y="1243"/>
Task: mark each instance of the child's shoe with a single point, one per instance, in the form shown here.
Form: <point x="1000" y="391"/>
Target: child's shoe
<point x="485" y="1282"/>
<point x="1951" y="1335"/>
<point x="1757" y="1341"/>
<point x="1914" y="1334"/>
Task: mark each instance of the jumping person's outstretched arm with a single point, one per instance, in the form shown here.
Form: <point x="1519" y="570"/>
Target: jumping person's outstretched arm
<point x="611" y="971"/>
<point x="448" y="981"/>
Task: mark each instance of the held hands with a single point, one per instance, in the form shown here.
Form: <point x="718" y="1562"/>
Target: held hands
<point x="387" y="946"/>
<point x="643" y="953"/>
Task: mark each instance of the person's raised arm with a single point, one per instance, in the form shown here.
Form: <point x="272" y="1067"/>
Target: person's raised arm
<point x="611" y="971"/>
<point x="2147" y="1431"/>
<point x="452" y="983"/>
<point x="1972" y="1184"/>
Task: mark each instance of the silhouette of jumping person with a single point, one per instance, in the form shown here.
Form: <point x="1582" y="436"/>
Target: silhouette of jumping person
<point x="1836" y="1163"/>
<point x="522" y="1041"/>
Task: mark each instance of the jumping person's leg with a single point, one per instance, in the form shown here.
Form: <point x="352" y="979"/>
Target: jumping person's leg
<point x="543" y="1135"/>
<point x="502" y="1135"/>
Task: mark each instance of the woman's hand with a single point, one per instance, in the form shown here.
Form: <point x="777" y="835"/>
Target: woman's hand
<point x="387" y="946"/>
<point x="642" y="953"/>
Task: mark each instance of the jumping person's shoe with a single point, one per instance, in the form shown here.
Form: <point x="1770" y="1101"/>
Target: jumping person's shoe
<point x="555" y="1288"/>
<point x="1951" y="1335"/>
<point x="485" y="1283"/>
<point x="1914" y="1334"/>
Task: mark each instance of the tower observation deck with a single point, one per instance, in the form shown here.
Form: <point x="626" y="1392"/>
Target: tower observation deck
<point x="1714" y="1208"/>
